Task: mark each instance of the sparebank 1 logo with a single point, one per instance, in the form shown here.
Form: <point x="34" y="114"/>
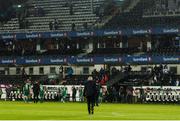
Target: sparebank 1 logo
<point x="39" y="35"/>
<point x="65" y="60"/>
<point x="39" y="60"/>
<point x="149" y="31"/>
<point x="149" y="59"/>
<point x="65" y="34"/>
<point x="120" y="32"/>
<point x="120" y="59"/>
<point x="92" y="33"/>
<point x="14" y="61"/>
<point x="14" y="36"/>
<point x="91" y="60"/>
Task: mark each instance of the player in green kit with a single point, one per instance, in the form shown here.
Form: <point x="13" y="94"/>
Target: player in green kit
<point x="81" y="94"/>
<point x="64" y="93"/>
<point x="26" y="91"/>
<point x="41" y="94"/>
<point x="101" y="95"/>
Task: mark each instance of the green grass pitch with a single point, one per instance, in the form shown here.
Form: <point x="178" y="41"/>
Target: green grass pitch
<point x="78" y="111"/>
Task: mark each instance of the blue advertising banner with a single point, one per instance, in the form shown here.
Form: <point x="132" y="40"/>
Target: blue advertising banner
<point x="91" y="60"/>
<point x="116" y="32"/>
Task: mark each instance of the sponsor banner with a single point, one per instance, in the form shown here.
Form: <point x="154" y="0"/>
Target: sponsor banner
<point x="82" y="60"/>
<point x="80" y="34"/>
<point x="54" y="61"/>
<point x="171" y="59"/>
<point x="32" y="36"/>
<point x="91" y="60"/>
<point x="8" y="36"/>
<point x="8" y="61"/>
<point x="130" y="31"/>
<point x="56" y="35"/>
<point x="112" y="32"/>
<point x="166" y="59"/>
<point x="28" y="61"/>
<point x="165" y="30"/>
<point x="112" y="59"/>
<point x="141" y="31"/>
<point x="171" y="30"/>
<point x="139" y="59"/>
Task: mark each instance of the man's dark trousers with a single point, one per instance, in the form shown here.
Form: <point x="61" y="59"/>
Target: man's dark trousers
<point x="90" y="103"/>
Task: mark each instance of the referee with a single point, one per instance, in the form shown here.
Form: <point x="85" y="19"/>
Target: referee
<point x="90" y="93"/>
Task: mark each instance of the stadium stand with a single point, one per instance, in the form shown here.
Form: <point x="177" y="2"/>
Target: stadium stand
<point x="136" y="17"/>
<point x="62" y="38"/>
<point x="62" y="14"/>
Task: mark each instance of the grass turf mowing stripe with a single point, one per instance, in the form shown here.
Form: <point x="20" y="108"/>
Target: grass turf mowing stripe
<point x="78" y="111"/>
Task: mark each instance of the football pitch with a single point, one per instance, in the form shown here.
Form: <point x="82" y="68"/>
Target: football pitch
<point x="78" y="111"/>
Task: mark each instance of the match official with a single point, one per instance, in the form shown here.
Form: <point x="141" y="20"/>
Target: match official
<point x="90" y="93"/>
<point x="36" y="90"/>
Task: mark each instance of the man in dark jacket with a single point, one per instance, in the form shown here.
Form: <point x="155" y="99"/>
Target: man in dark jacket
<point x="74" y="94"/>
<point x="90" y="93"/>
<point x="36" y="90"/>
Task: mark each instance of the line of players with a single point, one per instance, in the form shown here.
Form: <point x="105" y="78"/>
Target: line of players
<point x="33" y="91"/>
<point x="37" y="92"/>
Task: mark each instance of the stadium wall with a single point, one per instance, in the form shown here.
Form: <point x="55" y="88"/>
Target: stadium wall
<point x="82" y="69"/>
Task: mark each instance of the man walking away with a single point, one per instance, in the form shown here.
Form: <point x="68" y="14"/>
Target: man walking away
<point x="90" y="93"/>
<point x="36" y="90"/>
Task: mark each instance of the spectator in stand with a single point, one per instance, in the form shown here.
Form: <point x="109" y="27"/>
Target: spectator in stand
<point x="113" y="72"/>
<point x="70" y="72"/>
<point x="101" y="73"/>
<point x="165" y="69"/>
<point x="177" y="82"/>
<point x="71" y="9"/>
<point x="129" y="68"/>
<point x="85" y="25"/>
<point x="95" y="74"/>
<point x="56" y="24"/>
<point x="155" y="69"/>
<point x="51" y="25"/>
<point x="73" y="27"/>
